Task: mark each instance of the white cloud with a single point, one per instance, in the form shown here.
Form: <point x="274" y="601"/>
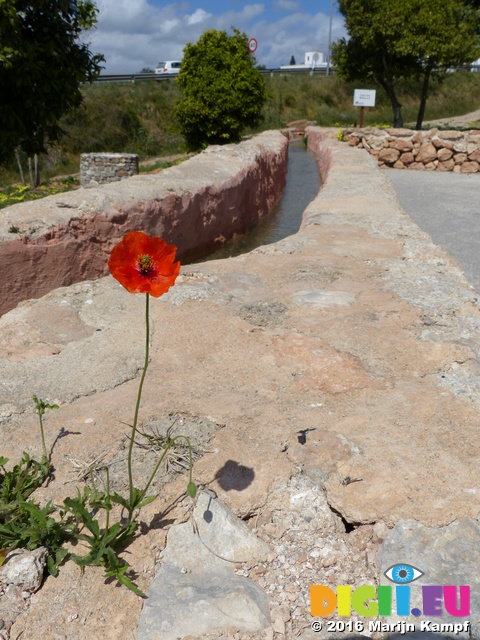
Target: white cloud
<point x="199" y="16"/>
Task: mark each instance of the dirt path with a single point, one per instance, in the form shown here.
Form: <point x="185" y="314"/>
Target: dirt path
<point x="458" y="121"/>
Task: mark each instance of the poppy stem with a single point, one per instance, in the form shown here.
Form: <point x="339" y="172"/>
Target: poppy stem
<point x="137" y="407"/>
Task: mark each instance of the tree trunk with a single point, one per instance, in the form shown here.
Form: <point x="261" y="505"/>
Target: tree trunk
<point x="423" y="99"/>
<point x="37" y="173"/>
<point x="30" y="171"/>
<point x="396" y="106"/>
<point x="22" y="177"/>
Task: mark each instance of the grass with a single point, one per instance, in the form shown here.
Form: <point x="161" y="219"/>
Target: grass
<point x="137" y="117"/>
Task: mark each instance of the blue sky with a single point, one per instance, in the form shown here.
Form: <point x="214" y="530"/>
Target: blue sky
<point x="134" y="34"/>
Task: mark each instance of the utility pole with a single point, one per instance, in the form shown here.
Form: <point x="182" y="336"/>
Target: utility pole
<point x="329" y="38"/>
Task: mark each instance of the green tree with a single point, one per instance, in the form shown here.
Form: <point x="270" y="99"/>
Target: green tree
<point x="222" y="92"/>
<point x="390" y="40"/>
<point x="42" y="64"/>
<point x="292" y="60"/>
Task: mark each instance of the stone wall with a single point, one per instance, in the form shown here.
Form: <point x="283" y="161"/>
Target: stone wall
<point x="197" y="206"/>
<point x="101" y="168"/>
<point x="433" y="150"/>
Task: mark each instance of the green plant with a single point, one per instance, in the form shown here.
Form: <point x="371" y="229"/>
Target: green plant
<point x="31" y="526"/>
<point x="141" y="264"/>
<point x="222" y="91"/>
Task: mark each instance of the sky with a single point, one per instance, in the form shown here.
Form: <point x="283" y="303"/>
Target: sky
<point x="136" y="34"/>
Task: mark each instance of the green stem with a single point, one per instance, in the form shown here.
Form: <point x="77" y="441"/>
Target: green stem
<point x="135" y="419"/>
<point x="161" y="460"/>
<point x="43" y="438"/>
<point x="108" y="498"/>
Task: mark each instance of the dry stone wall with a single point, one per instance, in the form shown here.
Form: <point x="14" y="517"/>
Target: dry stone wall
<point x="433" y="150"/>
<point x="101" y="168"/>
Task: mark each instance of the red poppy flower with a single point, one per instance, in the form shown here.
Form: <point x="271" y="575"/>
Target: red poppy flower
<point x="143" y="264"/>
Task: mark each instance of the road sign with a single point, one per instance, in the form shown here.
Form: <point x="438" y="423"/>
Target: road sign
<point x="252" y="45"/>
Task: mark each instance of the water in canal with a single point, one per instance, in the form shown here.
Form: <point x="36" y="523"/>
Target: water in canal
<point x="303" y="183"/>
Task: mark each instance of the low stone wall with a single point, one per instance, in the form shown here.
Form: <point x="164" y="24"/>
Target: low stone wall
<point x="101" y="168"/>
<point x="433" y="150"/>
<point x="196" y="206"/>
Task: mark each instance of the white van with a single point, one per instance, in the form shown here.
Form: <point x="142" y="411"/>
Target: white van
<point x="171" y="66"/>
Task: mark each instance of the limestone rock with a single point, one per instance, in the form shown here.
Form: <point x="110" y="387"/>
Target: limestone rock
<point x="181" y="604"/>
<point x="475" y="155"/>
<point x="25" y="568"/>
<point x="426" y="153"/>
<point x="470" y="167"/>
<point x="195" y="590"/>
<point x="444" y="154"/>
<point x="407" y="158"/>
<point x="446" y="556"/>
<point x="402" y="145"/>
<point x="389" y="155"/>
<point x="220" y="538"/>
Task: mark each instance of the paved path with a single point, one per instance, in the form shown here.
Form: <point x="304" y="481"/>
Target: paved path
<point x="447" y="207"/>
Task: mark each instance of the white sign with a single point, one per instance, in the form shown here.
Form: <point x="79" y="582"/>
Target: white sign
<point x="364" y="98"/>
<point x="252" y="45"/>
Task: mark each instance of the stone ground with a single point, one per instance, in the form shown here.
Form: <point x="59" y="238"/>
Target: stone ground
<point x="333" y="378"/>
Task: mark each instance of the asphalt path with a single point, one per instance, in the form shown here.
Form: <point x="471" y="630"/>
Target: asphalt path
<point x="447" y="206"/>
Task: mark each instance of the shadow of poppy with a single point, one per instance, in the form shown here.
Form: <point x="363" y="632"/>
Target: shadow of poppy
<point x="234" y="477"/>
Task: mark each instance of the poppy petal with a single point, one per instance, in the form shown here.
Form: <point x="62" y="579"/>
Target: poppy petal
<point x="144" y="264"/>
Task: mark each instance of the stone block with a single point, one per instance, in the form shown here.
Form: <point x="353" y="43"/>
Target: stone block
<point x="446" y="165"/>
<point x="401" y="145"/>
<point x="418" y="166"/>
<point x="388" y="155"/>
<point x="460" y="158"/>
<point x="400" y="133"/>
<point x="444" y="154"/>
<point x="418" y="138"/>
<point x="474" y="156"/>
<point x="407" y="158"/>
<point x="442" y="144"/>
<point x="427" y="153"/>
<point x="450" y="135"/>
<point x="469" y="167"/>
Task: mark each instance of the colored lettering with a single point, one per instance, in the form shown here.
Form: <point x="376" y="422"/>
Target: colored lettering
<point x="322" y="600"/>
<point x="384" y="601"/>
<point x="360" y="597"/>
<point x="343" y="598"/>
<point x="432" y="600"/>
<point x="402" y="595"/>
<point x="450" y="600"/>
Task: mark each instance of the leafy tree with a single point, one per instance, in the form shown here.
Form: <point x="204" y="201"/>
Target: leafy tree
<point x="222" y="92"/>
<point x="42" y="64"/>
<point x="292" y="60"/>
<point x="390" y="40"/>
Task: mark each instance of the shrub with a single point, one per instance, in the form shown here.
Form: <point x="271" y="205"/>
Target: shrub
<point x="222" y="92"/>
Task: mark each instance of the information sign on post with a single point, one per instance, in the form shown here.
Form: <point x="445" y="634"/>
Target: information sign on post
<point x="363" y="98"/>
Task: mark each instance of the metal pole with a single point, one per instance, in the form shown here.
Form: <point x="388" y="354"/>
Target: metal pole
<point x="329" y="38"/>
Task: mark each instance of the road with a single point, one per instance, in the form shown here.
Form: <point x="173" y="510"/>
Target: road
<point x="447" y="207"/>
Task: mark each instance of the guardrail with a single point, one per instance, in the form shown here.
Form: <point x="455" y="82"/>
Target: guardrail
<point x="133" y="77"/>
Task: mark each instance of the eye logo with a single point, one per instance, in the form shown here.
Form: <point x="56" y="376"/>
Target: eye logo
<point x="403" y="573"/>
